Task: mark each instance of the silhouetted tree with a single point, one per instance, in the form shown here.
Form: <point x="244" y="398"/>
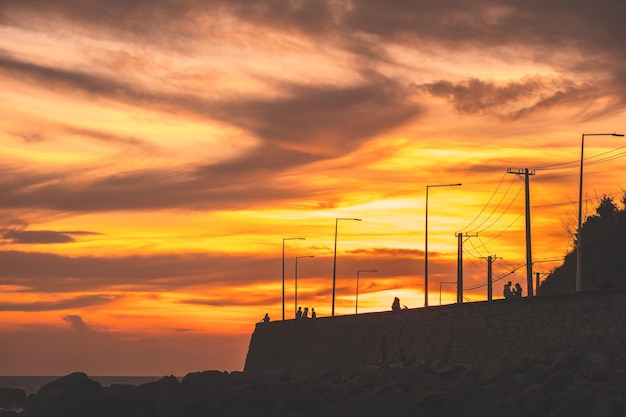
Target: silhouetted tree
<point x="604" y="253"/>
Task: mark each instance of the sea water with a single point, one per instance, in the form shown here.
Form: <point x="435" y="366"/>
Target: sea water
<point x="32" y="384"/>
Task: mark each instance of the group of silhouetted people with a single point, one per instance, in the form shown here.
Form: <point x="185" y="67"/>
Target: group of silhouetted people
<point x="300" y="314"/>
<point x="515" y="292"/>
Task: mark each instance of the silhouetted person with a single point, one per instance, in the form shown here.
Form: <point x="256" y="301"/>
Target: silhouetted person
<point x="396" y="304"/>
<point x="313" y="314"/>
<point x="299" y="313"/>
<point x="266" y="319"/>
<point x="517" y="292"/>
<point x="305" y="314"/>
<point x="507" y="290"/>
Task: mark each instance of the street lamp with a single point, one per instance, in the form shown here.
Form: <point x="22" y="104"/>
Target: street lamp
<point x="286" y="238"/>
<point x="426" y="241"/>
<point x="335" y="261"/>
<point x="356" y="305"/>
<point x="579" y="244"/>
<point x="295" y="307"/>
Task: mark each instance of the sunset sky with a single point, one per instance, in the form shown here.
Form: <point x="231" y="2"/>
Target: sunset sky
<point x="155" y="154"/>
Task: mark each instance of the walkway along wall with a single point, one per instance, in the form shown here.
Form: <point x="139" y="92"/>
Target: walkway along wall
<point x="458" y="333"/>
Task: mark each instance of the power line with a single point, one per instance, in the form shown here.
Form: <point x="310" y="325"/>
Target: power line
<point x="504" y="212"/>
<point x="590" y="159"/>
<point x="495" y="208"/>
<point x="486" y="205"/>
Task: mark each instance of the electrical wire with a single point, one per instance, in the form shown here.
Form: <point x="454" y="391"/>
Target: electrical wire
<point x="486" y="205"/>
<point x="590" y="159"/>
<point x="495" y="208"/>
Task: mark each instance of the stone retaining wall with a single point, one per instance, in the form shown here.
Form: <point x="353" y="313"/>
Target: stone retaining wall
<point x="457" y="333"/>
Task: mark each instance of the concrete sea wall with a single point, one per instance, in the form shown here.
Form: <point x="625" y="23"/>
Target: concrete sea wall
<point x="460" y="333"/>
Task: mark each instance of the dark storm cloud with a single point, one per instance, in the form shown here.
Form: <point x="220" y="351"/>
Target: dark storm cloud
<point x="559" y="23"/>
<point x="326" y="121"/>
<point x="306" y="123"/>
<point x="238" y="183"/>
<point x="76" y="322"/>
<point x="340" y="116"/>
<point x="36" y="236"/>
<point x="63" y="304"/>
<point x="45" y="272"/>
<point x="235" y="299"/>
<point x="513" y="99"/>
<point x="539" y="31"/>
<point x="332" y="118"/>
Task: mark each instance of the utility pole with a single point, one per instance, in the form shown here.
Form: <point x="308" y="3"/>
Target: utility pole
<point x="538" y="276"/>
<point x="490" y="260"/>
<point x="523" y="175"/>
<point x="459" y="270"/>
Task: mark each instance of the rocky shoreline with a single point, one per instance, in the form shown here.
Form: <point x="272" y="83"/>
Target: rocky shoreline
<point x="571" y="383"/>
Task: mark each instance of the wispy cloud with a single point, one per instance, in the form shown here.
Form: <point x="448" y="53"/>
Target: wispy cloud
<point x="512" y="99"/>
<point x="64" y="303"/>
<point x="40" y="236"/>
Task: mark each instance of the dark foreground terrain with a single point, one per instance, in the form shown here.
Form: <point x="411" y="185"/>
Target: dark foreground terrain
<point x="568" y="384"/>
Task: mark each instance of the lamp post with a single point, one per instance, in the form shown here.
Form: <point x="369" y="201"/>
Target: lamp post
<point x="335" y="261"/>
<point x="356" y="305"/>
<point x="426" y="240"/>
<point x="295" y="307"/>
<point x="579" y="244"/>
<point x="286" y="238"/>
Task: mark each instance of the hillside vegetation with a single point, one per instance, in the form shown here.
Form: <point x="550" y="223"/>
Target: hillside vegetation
<point x="603" y="254"/>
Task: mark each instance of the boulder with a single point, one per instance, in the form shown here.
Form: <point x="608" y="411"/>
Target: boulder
<point x="468" y="398"/>
<point x="492" y="370"/>
<point x="12" y="398"/>
<point x="60" y="396"/>
<point x="558" y="381"/>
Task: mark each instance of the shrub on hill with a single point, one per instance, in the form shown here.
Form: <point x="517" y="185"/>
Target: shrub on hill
<point x="603" y="253"/>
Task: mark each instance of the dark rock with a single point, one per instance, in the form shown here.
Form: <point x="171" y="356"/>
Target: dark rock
<point x="291" y="399"/>
<point x="602" y="407"/>
<point x="465" y="397"/>
<point x="430" y="399"/>
<point x="207" y="380"/>
<point x="168" y="395"/>
<point x="274" y="376"/>
<point x="12" y="398"/>
<point x="537" y="372"/>
<point x="333" y="375"/>
<point x="409" y="378"/>
<point x="511" y="413"/>
<point x="432" y="381"/>
<point x="501" y="388"/>
<point x="62" y="396"/>
<point x="599" y="373"/>
<point x="592" y="360"/>
<point x="619" y="361"/>
<point x="492" y="370"/>
<point x="575" y="402"/>
<point x="383" y="379"/>
<point x="565" y="359"/>
<point x="321" y="388"/>
<point x="520" y="378"/>
<point x="558" y="381"/>
<point x="383" y="390"/>
<point x="617" y="376"/>
<point x="119" y="405"/>
<point x="536" y="404"/>
<point x="379" y="406"/>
